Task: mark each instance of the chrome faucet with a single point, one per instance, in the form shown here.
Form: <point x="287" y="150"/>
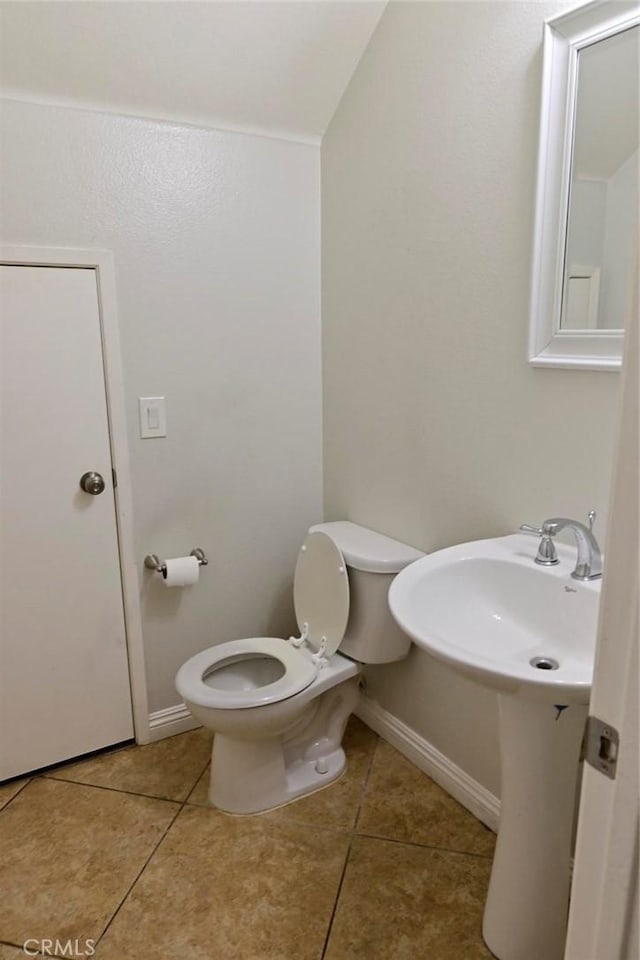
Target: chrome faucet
<point x="589" y="560"/>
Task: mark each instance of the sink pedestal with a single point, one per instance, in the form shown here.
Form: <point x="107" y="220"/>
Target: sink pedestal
<point x="526" y="913"/>
<point x="488" y="610"/>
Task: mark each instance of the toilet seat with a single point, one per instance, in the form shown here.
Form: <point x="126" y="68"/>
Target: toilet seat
<point x="299" y="671"/>
<point x="321" y="600"/>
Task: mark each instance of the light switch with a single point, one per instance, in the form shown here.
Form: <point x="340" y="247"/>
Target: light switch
<point x="153" y="419"/>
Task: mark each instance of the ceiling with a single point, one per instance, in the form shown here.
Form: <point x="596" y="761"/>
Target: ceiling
<point x="275" y="68"/>
<point x="607" y="105"/>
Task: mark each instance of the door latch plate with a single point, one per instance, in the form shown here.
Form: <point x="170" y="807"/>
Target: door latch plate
<point x="601" y="747"/>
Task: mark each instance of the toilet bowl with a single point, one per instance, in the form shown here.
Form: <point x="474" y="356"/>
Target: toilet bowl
<point x="279" y="707"/>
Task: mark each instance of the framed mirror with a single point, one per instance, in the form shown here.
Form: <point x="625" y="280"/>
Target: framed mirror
<point x="586" y="236"/>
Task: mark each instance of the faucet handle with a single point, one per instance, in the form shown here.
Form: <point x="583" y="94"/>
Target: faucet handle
<point x="592" y="517"/>
<point x="546" y="555"/>
<point x="527" y="528"/>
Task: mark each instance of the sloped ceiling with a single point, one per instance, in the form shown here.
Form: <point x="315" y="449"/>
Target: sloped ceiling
<point x="607" y="105"/>
<point x="278" y="68"/>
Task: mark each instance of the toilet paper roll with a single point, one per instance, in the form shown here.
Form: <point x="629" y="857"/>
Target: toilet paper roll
<point x="181" y="571"/>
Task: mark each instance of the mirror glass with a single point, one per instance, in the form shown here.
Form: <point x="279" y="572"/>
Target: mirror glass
<point x="601" y="250"/>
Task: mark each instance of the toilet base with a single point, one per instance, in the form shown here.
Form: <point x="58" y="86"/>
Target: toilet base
<point x="253" y="776"/>
<point x="301" y="779"/>
<point x="305" y="777"/>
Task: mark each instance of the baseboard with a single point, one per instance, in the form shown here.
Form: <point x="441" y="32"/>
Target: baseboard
<point x="168" y="722"/>
<point x="467" y="791"/>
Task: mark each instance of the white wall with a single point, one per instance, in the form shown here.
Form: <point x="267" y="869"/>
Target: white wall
<point x="585" y="241"/>
<point x="216" y="244"/>
<point x="587" y="212"/>
<point x="603" y="232"/>
<point x="436" y="428"/>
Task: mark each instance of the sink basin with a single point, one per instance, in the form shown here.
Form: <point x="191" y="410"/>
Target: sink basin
<point x="527" y="632"/>
<point x="489" y="611"/>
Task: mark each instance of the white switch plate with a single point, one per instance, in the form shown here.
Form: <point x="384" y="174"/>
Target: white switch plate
<point x="153" y="417"/>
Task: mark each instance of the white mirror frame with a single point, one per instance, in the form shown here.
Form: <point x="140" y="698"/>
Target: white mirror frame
<point x="564" y="37"/>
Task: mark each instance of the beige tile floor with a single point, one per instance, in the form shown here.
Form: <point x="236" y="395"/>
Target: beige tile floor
<point x="123" y="850"/>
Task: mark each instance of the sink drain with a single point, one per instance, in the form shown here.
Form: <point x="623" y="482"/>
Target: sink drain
<point x="544" y="663"/>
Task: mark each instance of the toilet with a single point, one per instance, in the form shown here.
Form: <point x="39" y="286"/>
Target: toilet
<point x="278" y="707"/>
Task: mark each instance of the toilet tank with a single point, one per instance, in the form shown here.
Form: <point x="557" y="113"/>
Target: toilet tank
<point x="373" y="560"/>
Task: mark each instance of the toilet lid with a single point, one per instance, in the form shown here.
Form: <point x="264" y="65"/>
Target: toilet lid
<point x="321" y="592"/>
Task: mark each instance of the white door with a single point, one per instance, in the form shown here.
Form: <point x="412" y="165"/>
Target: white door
<point x="64" y="680"/>
<point x="603" y="917"/>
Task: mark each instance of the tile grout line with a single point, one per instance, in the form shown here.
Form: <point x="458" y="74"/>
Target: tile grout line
<point x="20" y="946"/>
<point x="92" y="755"/>
<point x="353" y="834"/>
<point x="198" y="779"/>
<point x="140" y="872"/>
<point x="412" y="843"/>
<point x="100" y="786"/>
<point x="424" y="846"/>
<point x="336" y="901"/>
<point x="365" y="785"/>
<point x="183" y="804"/>
<point x="11" y="799"/>
<point x="130" y="793"/>
<point x="10" y="943"/>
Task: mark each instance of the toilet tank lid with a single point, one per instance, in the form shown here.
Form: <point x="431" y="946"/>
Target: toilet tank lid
<point x="366" y="550"/>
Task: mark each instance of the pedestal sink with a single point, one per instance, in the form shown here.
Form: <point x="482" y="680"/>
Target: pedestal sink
<point x="528" y="632"/>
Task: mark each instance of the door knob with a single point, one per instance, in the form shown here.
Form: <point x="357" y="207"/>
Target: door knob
<point x="92" y="483"/>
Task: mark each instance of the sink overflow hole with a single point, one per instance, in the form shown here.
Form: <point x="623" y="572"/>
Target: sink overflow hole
<point x="544" y="663"/>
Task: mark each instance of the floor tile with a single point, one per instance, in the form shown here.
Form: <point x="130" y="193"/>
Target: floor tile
<point x="230" y="888"/>
<point x="11" y="953"/>
<point x="402" y="803"/>
<point x="406" y="902"/>
<point x="167" y="769"/>
<point x="68" y="855"/>
<point x="334" y="806"/>
<point x="9" y="790"/>
<point x="200" y="793"/>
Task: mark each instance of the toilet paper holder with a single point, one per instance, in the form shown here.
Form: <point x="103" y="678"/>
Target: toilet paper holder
<point x="153" y="562"/>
